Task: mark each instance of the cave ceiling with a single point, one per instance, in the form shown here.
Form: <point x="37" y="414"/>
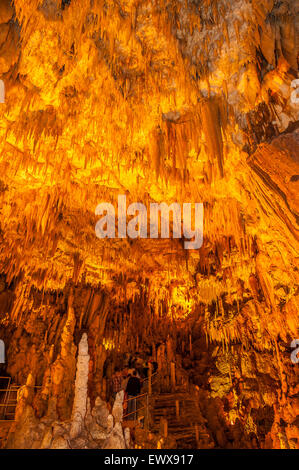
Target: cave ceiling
<point x="162" y="101"/>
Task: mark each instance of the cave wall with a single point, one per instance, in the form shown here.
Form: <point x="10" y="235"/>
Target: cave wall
<point x="161" y="101"/>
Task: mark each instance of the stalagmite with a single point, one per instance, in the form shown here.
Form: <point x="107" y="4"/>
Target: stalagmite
<point x="110" y="423"/>
<point x="127" y="435"/>
<point x="116" y="439"/>
<point x="81" y="388"/>
<point x="117" y="410"/>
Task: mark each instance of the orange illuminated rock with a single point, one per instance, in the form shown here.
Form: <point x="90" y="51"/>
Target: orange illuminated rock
<point x="177" y="101"/>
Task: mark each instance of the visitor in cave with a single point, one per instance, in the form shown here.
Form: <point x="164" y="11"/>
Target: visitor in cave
<point x="125" y="377"/>
<point x="124" y="383"/>
<point x="116" y="382"/>
<point x="130" y="371"/>
<point x="154" y="366"/>
<point x="127" y="360"/>
<point x="139" y="366"/>
<point x="133" y="390"/>
<point x="131" y="361"/>
<point x="145" y="367"/>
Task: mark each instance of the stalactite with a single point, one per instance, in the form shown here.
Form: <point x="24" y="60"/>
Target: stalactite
<point x="162" y="101"/>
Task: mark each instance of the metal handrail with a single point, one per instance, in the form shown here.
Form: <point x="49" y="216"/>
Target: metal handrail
<point x="142" y="394"/>
<point x="146" y="394"/>
<point x="138" y="409"/>
<point x="6" y="393"/>
<point x="137" y="396"/>
<point x="11" y="396"/>
<point x="134" y="412"/>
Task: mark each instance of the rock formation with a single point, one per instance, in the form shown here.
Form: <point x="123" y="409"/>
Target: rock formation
<point x="87" y="429"/>
<point x="160" y="101"/>
<point x="81" y="384"/>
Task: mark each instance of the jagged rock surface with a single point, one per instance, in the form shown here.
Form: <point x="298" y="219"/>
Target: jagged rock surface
<point x="167" y="100"/>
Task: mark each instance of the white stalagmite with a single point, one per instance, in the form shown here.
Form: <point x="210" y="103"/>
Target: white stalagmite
<point x="127" y="435"/>
<point x="80" y="400"/>
<point x="118" y="409"/>
<point x="110" y="424"/>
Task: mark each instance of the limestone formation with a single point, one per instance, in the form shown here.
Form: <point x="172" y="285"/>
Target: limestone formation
<point x="117" y="410"/>
<point x="160" y="101"/>
<point x="81" y="388"/>
<point x="116" y="439"/>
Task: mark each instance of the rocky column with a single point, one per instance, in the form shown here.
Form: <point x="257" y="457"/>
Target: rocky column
<point x="80" y="400"/>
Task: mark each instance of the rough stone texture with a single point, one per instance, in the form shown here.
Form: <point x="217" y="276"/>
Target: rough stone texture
<point x="81" y="384"/>
<point x="117" y="410"/>
<point x="183" y="101"/>
<point x="116" y="439"/>
<point x="88" y="428"/>
<point x="6" y="11"/>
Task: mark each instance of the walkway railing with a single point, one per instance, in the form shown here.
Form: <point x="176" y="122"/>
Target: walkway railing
<point x="11" y="396"/>
<point x="9" y="402"/>
<point x="137" y="408"/>
<point x="148" y="381"/>
<point x="10" y="399"/>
